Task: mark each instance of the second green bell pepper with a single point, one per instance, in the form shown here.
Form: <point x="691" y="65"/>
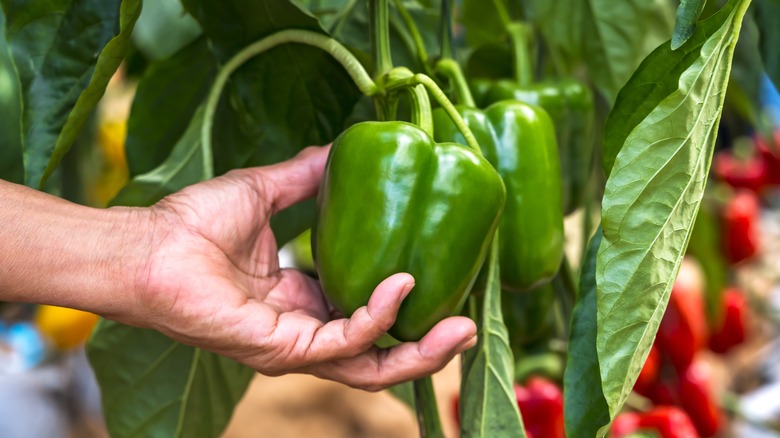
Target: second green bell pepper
<point x="519" y="140"/>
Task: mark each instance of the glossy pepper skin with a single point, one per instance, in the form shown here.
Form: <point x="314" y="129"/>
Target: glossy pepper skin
<point x="570" y="106"/>
<point x="751" y="173"/>
<point x="732" y="329"/>
<point x="392" y="200"/>
<point x="519" y="140"/>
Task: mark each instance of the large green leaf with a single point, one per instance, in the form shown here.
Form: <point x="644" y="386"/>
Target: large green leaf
<point x="173" y="88"/>
<point x="685" y="25"/>
<point x="768" y="20"/>
<point x="585" y="415"/>
<point x="609" y="37"/>
<point x="154" y="387"/>
<point x="279" y="102"/>
<point x="189" y="163"/>
<point x="488" y="406"/>
<point x="485" y="20"/>
<point x="65" y="52"/>
<point x="11" y="168"/>
<point x="653" y="194"/>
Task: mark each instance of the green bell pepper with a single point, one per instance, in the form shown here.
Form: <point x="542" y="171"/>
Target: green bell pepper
<point x="528" y="316"/>
<point x="392" y="200"/>
<point x="570" y="105"/>
<point x="518" y="139"/>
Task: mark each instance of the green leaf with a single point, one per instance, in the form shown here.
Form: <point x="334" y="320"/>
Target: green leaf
<point x="654" y="80"/>
<point x="153" y="386"/>
<point x="612" y="39"/>
<point x="653" y="194"/>
<point x="189" y="163"/>
<point x="289" y="97"/>
<point x="585" y="408"/>
<point x="11" y="168"/>
<point x="744" y="92"/>
<point x="404" y="392"/>
<point x="173" y="87"/>
<point x="685" y="25"/>
<point x="768" y="20"/>
<point x="164" y="28"/>
<point x="609" y="37"/>
<point x="65" y="52"/>
<point x="485" y="21"/>
<point x="488" y="406"/>
<point x="706" y="246"/>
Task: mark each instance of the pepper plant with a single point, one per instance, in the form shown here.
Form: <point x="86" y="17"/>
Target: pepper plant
<point x="608" y="107"/>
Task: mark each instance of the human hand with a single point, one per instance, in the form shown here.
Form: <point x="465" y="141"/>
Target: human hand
<point x="213" y="280"/>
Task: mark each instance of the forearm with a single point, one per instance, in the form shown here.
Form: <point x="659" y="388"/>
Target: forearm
<point x="56" y="252"/>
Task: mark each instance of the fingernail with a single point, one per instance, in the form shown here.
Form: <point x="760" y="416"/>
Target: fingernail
<point x="405" y="291"/>
<point x="468" y="343"/>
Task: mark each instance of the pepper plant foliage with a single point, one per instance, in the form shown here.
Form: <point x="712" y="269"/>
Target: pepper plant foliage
<point x="660" y="88"/>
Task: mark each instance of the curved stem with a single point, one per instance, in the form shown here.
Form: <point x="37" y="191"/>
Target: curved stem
<point x="518" y="35"/>
<point x="422" y="115"/>
<point x="445" y="103"/>
<point x="452" y="71"/>
<point x="333" y="47"/>
<point x="380" y="36"/>
<point x="419" y="45"/>
<point x="427" y="409"/>
<point x="402" y="78"/>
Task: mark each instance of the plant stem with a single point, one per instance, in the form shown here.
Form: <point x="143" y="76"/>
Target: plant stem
<point x="518" y="35"/>
<point x="419" y="45"/>
<point x="333" y="47"/>
<point x="402" y="81"/>
<point x="447" y="50"/>
<point x="427" y="409"/>
<point x="451" y="70"/>
<point x="422" y="115"/>
<point x="380" y="37"/>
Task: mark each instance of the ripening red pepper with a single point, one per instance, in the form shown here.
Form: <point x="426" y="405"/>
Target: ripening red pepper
<point x="751" y="173"/>
<point x="668" y="422"/>
<point x="697" y="399"/>
<point x="624" y="425"/>
<point x="683" y="329"/>
<point x="771" y="157"/>
<point x="733" y="327"/>
<point x="650" y="373"/>
<point x="541" y="405"/>
<point x="740" y="226"/>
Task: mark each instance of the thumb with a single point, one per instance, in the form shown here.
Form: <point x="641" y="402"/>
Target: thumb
<point x="294" y="180"/>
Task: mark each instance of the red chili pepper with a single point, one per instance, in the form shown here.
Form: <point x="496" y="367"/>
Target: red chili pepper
<point x="697" y="399"/>
<point x="751" y="173"/>
<point x="740" y="226"/>
<point x="683" y="329"/>
<point x="669" y="422"/>
<point x="651" y="370"/>
<point x="771" y="157"/>
<point x="541" y="404"/>
<point x="732" y="330"/>
<point x="625" y="424"/>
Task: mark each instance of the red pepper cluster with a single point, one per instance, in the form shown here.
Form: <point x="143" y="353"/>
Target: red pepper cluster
<point x="675" y="376"/>
<point x="755" y="172"/>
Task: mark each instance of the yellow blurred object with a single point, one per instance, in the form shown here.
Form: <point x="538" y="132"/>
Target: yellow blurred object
<point x="66" y="328"/>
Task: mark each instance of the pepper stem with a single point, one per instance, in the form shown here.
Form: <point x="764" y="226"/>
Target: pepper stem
<point x="422" y="115"/>
<point x="380" y="36"/>
<point x="451" y="70"/>
<point x="333" y="47"/>
<point x="518" y="36"/>
<point x="419" y="45"/>
<point x="427" y="409"/>
<point x="447" y="50"/>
